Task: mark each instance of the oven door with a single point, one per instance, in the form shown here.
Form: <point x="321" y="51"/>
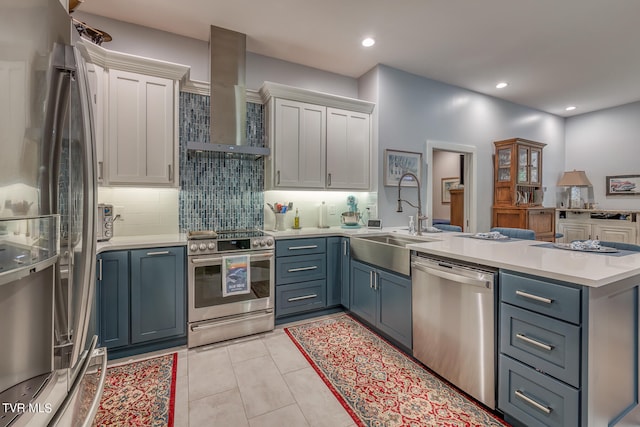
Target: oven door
<point x="206" y="300"/>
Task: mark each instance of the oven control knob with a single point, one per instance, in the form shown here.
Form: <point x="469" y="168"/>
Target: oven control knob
<point x="270" y="242"/>
<point x="262" y="243"/>
<point x="203" y="247"/>
<point x="256" y="242"/>
<point x="193" y="247"/>
<point x="211" y="246"/>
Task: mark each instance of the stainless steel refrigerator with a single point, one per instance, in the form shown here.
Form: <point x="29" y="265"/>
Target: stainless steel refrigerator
<point x="50" y="371"/>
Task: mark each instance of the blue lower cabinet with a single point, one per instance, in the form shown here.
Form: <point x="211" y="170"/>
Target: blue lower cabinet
<point x="157" y="293"/>
<point x="394" y="309"/>
<point x="364" y="299"/>
<point x="382" y="299"/>
<point x="300" y="297"/>
<point x="345" y="272"/>
<point x="112" y="299"/>
<point x="334" y="271"/>
<point x="534" y="398"/>
<point x="141" y="300"/>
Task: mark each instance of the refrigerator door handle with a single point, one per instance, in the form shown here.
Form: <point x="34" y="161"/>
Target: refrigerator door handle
<point x="88" y="253"/>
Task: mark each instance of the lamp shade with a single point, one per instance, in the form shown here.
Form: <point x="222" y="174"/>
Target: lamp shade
<point x="574" y="179"/>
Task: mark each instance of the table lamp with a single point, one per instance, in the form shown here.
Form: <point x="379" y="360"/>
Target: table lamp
<point x="574" y="180"/>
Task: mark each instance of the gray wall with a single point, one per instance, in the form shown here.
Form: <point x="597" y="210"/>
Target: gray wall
<point x="602" y="143"/>
<point x="413" y="109"/>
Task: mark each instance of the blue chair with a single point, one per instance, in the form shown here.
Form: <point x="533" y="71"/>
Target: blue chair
<point x="448" y="227"/>
<point x="621" y="245"/>
<point x="516" y="233"/>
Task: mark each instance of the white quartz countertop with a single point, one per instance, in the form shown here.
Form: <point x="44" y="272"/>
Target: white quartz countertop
<point x="525" y="256"/>
<point x="137" y="242"/>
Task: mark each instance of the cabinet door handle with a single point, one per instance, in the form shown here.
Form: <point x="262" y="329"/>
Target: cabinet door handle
<point x="344" y="248"/>
<point x="302" y="298"/>
<point x="376" y="277"/>
<point x="534" y="342"/>
<point x="519" y="394"/>
<point x="169" y="168"/>
<point x="534" y="297"/>
<point x="329" y="180"/>
<point x="100" y="270"/>
<point x="100" y="168"/>
<point x="294" y="270"/>
<point x="278" y="178"/>
<point x="297" y="248"/>
<point x="158" y="253"/>
<point x="371" y="279"/>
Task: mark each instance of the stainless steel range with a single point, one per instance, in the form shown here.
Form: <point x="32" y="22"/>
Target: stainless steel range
<point x="230" y="285"/>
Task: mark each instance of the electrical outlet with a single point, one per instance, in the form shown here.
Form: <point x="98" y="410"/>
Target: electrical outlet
<point x="373" y="211"/>
<point x="332" y="209"/>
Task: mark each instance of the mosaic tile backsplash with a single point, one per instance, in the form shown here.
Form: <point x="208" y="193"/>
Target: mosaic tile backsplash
<point x="219" y="191"/>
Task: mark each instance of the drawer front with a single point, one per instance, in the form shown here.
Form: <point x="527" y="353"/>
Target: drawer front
<point x="301" y="268"/>
<point x="561" y="302"/>
<point x="300" y="297"/>
<point x="293" y="247"/>
<point x="534" y="398"/>
<point x="549" y="345"/>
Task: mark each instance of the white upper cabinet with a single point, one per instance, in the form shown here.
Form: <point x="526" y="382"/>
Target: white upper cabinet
<point x="141" y="124"/>
<point x="348" y="149"/>
<point x="317" y="140"/>
<point x="300" y="130"/>
<point x="136" y="116"/>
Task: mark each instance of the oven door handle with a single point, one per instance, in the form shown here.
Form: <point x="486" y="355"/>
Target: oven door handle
<point x="218" y="260"/>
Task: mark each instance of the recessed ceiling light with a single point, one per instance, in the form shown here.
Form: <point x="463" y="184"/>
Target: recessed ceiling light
<point x="502" y="85"/>
<point x="368" y="42"/>
<point x="570" y="108"/>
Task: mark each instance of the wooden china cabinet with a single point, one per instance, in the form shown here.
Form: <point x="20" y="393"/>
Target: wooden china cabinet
<point x="517" y="191"/>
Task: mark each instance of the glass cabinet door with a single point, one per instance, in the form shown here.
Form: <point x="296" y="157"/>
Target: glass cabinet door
<point x="504" y="164"/>
<point x="534" y="170"/>
<point x="523" y="163"/>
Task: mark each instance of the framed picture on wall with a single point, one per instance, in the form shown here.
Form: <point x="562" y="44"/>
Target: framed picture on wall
<point x="397" y="162"/>
<point x="448" y="184"/>
<point x="623" y="185"/>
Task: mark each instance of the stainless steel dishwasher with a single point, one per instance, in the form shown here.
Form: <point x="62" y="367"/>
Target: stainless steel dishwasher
<point x="454" y="324"/>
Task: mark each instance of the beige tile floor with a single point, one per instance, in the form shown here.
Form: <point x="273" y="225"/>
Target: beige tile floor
<point x="259" y="381"/>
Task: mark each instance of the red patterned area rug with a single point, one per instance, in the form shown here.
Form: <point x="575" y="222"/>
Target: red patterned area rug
<point x="140" y="393"/>
<point x="379" y="385"/>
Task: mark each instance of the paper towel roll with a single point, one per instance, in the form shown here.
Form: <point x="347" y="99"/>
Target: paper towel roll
<point x="322" y="216"/>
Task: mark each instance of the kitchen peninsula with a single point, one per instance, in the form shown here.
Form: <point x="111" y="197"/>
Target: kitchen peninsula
<point x="581" y="368"/>
<point x="568" y="322"/>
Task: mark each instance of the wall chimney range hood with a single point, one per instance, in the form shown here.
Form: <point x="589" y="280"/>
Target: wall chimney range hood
<point x="227" y="51"/>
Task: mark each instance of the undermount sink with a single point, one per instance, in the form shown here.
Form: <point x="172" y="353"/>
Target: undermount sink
<point x="387" y="251"/>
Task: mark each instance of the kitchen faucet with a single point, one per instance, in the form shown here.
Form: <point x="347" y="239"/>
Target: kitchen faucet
<point x="419" y="217"/>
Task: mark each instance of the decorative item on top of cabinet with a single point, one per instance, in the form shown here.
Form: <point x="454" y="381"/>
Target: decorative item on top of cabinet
<point x="517" y="192"/>
<point x="317" y="140"/>
<point x="136" y="110"/>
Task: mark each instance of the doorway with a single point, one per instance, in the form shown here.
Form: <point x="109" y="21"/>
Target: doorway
<point x="464" y="169"/>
